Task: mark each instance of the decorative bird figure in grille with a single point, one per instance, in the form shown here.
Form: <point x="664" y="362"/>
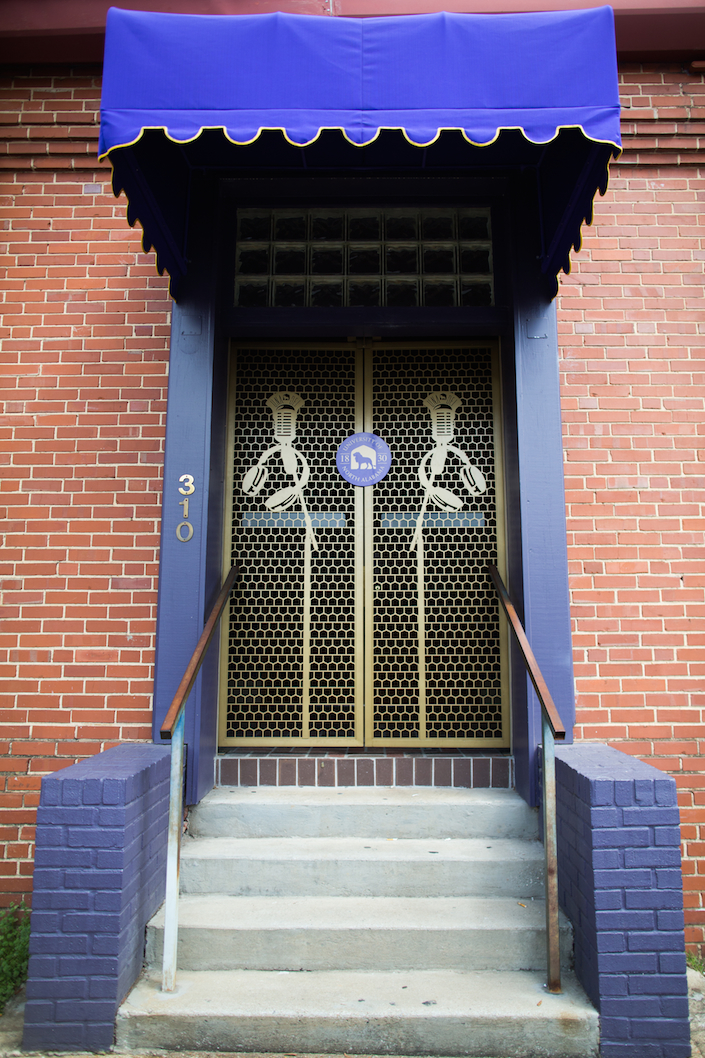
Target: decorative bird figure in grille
<point x="442" y="406"/>
<point x="284" y="405"/>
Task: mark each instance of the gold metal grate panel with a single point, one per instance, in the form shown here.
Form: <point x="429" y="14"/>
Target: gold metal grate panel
<point x="265" y="685"/>
<point x="463" y="692"/>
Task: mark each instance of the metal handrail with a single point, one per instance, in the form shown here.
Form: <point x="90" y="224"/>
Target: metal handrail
<point x="173" y="728"/>
<point x="552" y="729"/>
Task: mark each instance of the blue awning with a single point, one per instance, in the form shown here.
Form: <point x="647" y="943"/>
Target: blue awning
<point x="182" y="77"/>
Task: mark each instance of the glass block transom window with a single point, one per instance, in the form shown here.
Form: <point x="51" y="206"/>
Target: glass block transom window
<point x="334" y="258"/>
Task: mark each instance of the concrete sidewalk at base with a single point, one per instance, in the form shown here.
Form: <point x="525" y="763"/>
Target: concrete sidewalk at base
<point x="11" y="1023"/>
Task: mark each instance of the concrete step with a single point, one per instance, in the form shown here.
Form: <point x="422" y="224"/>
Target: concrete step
<point x="362" y="867"/>
<point x="399" y="812"/>
<point x="433" y="1012"/>
<point x="357" y="933"/>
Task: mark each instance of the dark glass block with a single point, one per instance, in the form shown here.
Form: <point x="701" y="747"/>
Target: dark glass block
<point x="363" y="294"/>
<point x="254" y="262"/>
<point x="476" y="294"/>
<point x="290" y="228"/>
<point x="290" y="262"/>
<point x="475" y="261"/>
<point x="363" y="228"/>
<point x="327" y="262"/>
<point x="437" y="228"/>
<point x="256" y="229"/>
<point x="402" y="295"/>
<point x="400" y="227"/>
<point x="438" y="260"/>
<point x="402" y="260"/>
<point x="327" y="228"/>
<point x="439" y="295"/>
<point x="327" y="295"/>
<point x="252" y="295"/>
<point x="289" y="295"/>
<point x="364" y="261"/>
<point x="472" y="227"/>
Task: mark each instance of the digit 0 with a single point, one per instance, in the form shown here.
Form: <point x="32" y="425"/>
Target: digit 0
<point x="179" y="532"/>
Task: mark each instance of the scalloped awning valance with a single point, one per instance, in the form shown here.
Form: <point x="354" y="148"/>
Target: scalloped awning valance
<point x="181" y="78"/>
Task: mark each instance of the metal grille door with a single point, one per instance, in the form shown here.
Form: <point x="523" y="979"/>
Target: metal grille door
<point x="291" y="653"/>
<point x="358" y="619"/>
<point x="435" y="624"/>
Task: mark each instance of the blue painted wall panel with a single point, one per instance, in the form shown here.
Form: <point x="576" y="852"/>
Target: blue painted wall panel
<point x="543" y="520"/>
<point x="182" y="586"/>
<point x="184" y="583"/>
<point x="543" y="591"/>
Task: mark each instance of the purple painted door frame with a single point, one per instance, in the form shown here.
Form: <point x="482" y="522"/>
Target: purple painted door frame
<point x="190" y="562"/>
<point x="190" y="571"/>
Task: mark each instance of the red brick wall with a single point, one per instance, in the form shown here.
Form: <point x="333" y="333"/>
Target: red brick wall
<point x="84" y="342"/>
<point x="84" y="334"/>
<point x="632" y="339"/>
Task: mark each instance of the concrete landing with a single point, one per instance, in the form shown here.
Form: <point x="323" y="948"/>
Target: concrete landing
<point x="507" y="1015"/>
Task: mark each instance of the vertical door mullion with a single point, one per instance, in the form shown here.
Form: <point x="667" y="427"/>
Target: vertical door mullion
<point x="367" y="424"/>
<point x="359" y="558"/>
<point x="421" y="617"/>
<point x="306" y="659"/>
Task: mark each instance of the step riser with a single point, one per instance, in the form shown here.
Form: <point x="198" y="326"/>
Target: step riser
<point x="467" y="1036"/>
<point x="382" y="950"/>
<point x="353" y="769"/>
<point x="321" y="821"/>
<point x="360" y="878"/>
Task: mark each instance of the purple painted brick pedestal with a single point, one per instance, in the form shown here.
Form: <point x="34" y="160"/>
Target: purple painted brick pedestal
<point x="98" y="878"/>
<point x="619" y="877"/>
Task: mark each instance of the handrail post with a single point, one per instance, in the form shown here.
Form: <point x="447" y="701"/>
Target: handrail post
<point x="550" y="842"/>
<point x="173" y="856"/>
<point x="552" y="728"/>
<point x="173" y="728"/>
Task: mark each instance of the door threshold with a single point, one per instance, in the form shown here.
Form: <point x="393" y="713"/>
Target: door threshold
<point x="365" y="767"/>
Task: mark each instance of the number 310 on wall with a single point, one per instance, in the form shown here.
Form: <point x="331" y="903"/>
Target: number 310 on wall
<point x="184" y="530"/>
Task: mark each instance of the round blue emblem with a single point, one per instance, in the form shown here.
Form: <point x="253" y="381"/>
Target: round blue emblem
<point x="363" y="459"/>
